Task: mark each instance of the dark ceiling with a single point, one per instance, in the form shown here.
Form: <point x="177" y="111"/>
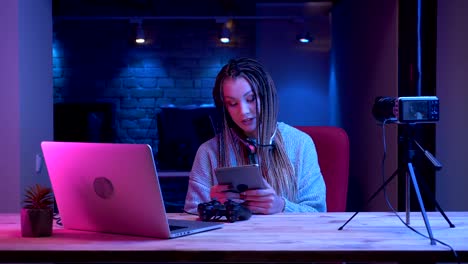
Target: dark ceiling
<point x="165" y="7"/>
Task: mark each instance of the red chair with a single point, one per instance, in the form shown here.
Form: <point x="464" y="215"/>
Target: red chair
<point x="332" y="145"/>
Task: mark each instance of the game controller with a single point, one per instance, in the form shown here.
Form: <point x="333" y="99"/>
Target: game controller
<point x="214" y="210"/>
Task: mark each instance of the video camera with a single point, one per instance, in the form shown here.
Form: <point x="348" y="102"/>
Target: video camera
<point x="411" y="109"/>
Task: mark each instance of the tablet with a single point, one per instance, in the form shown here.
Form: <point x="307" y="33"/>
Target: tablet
<point x="241" y="178"/>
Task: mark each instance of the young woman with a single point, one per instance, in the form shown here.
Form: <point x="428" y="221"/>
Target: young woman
<point x="246" y="97"/>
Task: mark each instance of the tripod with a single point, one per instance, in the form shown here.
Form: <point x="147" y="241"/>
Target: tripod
<point x="411" y="177"/>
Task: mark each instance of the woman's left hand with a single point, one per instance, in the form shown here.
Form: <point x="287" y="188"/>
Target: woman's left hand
<point x="263" y="201"/>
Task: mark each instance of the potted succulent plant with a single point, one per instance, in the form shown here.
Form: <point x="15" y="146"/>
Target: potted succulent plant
<point x="37" y="212"/>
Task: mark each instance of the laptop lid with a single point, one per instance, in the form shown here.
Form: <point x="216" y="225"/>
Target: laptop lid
<point x="111" y="188"/>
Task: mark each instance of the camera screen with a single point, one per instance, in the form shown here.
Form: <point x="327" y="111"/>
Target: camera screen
<point x="415" y="110"/>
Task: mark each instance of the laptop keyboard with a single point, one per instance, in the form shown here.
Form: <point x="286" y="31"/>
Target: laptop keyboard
<point x="175" y="227"/>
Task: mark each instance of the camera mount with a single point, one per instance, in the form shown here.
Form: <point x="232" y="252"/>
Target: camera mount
<point x="411" y="178"/>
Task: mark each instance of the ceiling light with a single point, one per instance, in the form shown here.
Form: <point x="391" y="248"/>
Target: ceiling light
<point x="225" y="36"/>
<point x="304" y="37"/>
<point x="226" y="30"/>
<point x="140" y="34"/>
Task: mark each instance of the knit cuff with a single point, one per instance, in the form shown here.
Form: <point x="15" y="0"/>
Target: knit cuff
<point x="284" y="205"/>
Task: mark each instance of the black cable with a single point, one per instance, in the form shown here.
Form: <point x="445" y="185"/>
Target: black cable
<point x="57" y="218"/>
<point x="393" y="209"/>
<point x="421" y="234"/>
<point x="383" y="163"/>
<point x="187" y="212"/>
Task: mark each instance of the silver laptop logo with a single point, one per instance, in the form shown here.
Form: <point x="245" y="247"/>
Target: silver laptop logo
<point x="103" y="187"/>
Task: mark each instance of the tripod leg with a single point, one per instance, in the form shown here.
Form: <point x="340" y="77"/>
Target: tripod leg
<point x="423" y="209"/>
<point x="426" y="189"/>
<point x="372" y="197"/>
<point x="408" y="198"/>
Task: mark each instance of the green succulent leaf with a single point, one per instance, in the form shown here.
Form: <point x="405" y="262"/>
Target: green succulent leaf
<point x="38" y="197"/>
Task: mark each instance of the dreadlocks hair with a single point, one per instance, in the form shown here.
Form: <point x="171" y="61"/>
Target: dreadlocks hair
<point x="273" y="161"/>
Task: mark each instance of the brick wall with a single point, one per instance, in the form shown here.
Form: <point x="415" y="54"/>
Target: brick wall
<point x="97" y="61"/>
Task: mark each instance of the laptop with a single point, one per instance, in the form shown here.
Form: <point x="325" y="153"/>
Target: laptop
<point x="112" y="188"/>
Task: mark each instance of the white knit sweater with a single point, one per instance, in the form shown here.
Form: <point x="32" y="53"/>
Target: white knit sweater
<point x="301" y="151"/>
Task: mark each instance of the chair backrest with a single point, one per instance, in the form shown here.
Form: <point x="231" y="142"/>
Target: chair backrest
<point x="332" y="145"/>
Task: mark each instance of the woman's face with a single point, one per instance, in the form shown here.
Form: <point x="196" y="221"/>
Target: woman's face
<point x="241" y="103"/>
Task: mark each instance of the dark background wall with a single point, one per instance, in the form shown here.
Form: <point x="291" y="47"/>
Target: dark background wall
<point x="452" y="66"/>
<point x="97" y="61"/>
<point x="107" y="88"/>
<point x="25" y="95"/>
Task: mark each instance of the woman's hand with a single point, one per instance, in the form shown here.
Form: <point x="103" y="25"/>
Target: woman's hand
<point x="222" y="194"/>
<point x="263" y="201"/>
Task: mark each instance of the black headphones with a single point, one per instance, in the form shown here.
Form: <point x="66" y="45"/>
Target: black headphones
<point x="252" y="144"/>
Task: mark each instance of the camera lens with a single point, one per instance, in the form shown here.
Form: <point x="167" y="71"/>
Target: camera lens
<point x="384" y="108"/>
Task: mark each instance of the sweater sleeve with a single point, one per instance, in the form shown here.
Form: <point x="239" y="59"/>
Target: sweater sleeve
<point x="311" y="195"/>
<point x="201" y="177"/>
<point x="301" y="150"/>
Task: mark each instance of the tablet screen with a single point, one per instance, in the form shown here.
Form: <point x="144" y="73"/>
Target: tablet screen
<point x="241" y="178"/>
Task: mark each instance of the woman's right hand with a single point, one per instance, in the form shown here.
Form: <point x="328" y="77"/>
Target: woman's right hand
<point x="221" y="193"/>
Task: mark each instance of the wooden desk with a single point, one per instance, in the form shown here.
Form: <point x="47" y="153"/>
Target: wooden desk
<point x="275" y="238"/>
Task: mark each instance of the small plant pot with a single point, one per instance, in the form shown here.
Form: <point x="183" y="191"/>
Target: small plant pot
<point x="36" y="222"/>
